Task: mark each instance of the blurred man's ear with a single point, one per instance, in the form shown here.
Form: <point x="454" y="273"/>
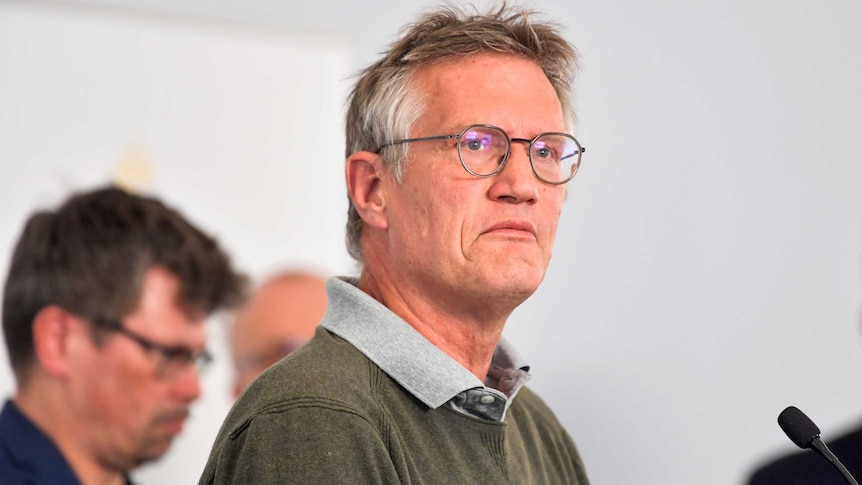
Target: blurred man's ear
<point x="364" y="173"/>
<point x="52" y="329"/>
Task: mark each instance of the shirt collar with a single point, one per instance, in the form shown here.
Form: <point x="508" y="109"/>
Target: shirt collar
<point x="403" y="353"/>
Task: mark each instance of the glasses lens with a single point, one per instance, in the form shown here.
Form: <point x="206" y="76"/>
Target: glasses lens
<point x="556" y="157"/>
<point x="175" y="361"/>
<point x="482" y="148"/>
<point x="203" y="360"/>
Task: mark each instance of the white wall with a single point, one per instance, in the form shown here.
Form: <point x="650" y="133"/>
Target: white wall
<point x="708" y="267"/>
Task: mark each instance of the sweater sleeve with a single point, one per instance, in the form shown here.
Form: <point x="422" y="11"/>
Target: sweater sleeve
<point x="319" y="442"/>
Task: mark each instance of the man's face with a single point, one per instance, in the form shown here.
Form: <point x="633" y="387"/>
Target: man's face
<point x="459" y="238"/>
<point x="133" y="410"/>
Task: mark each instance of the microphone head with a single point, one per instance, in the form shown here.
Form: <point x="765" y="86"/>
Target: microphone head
<point x="798" y="427"/>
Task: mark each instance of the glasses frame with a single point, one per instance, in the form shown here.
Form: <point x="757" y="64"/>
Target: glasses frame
<point x="173" y="359"/>
<point x="502" y="164"/>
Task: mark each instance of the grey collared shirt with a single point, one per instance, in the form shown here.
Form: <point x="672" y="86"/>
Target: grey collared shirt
<point x="415" y="363"/>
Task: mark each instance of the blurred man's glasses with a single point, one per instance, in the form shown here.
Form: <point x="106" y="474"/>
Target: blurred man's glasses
<point x="172" y="359"/>
<point x="485" y="149"/>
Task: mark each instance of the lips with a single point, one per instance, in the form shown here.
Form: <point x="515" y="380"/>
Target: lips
<point x="175" y="420"/>
<point x="175" y="427"/>
<point x="513" y="226"/>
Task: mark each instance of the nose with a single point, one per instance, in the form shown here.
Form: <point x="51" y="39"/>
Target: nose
<point x="516" y="183"/>
<point x="187" y="385"/>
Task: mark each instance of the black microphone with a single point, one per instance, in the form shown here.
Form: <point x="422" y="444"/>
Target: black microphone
<point x="802" y="431"/>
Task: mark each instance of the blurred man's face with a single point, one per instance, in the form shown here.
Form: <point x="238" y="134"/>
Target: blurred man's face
<point x="134" y="404"/>
<point x="279" y="317"/>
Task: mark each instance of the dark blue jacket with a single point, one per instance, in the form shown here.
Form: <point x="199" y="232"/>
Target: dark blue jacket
<point x="27" y="455"/>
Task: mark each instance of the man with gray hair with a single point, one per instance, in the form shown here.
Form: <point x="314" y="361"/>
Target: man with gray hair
<point x="459" y="147"/>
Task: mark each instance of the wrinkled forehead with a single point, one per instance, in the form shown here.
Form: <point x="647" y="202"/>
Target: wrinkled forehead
<point x="497" y="89"/>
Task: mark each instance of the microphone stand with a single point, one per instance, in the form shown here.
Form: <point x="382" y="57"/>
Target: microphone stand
<point x="820" y="447"/>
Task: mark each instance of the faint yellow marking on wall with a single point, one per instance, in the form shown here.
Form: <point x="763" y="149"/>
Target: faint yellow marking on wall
<point x="133" y="172"/>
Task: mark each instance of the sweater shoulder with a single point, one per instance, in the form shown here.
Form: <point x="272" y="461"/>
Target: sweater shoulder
<point x="327" y="367"/>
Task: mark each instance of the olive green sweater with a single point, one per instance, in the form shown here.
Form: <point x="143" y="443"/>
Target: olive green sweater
<point x="328" y="415"/>
<point x="370" y="400"/>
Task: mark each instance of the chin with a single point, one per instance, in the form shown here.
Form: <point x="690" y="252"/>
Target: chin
<point x="155" y="451"/>
<point x="521" y="276"/>
<point x="514" y="287"/>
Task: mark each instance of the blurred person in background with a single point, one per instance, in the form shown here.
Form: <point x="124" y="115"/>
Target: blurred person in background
<point x="279" y="317"/>
<point x="806" y="467"/>
<point x="104" y="311"/>
<point x="459" y="147"/>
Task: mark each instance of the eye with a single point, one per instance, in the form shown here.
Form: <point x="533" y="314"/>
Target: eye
<point x="543" y="150"/>
<point x="475" y="141"/>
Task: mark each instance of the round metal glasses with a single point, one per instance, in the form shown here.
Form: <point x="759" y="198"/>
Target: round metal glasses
<point x="484" y="150"/>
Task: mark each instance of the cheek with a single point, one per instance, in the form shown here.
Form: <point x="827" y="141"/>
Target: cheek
<point x="124" y="392"/>
<point x="551" y="220"/>
<point x="427" y="215"/>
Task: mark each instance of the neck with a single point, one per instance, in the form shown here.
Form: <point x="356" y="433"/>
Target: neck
<point x="52" y="411"/>
<point x="468" y="335"/>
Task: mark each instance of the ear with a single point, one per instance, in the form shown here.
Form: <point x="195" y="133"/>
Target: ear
<point x="365" y="175"/>
<point x="52" y="330"/>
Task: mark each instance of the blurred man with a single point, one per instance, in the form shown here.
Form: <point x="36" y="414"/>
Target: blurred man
<point x="807" y="468"/>
<point x="278" y="318"/>
<point x="459" y="148"/>
<point x="103" y="316"/>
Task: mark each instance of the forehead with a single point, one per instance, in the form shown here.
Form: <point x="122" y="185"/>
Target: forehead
<point x="159" y="310"/>
<point x="505" y="90"/>
<point x="284" y="308"/>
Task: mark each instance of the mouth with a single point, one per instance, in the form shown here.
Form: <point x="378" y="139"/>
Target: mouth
<point x="175" y="427"/>
<point x="513" y="228"/>
<point x="176" y="421"/>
